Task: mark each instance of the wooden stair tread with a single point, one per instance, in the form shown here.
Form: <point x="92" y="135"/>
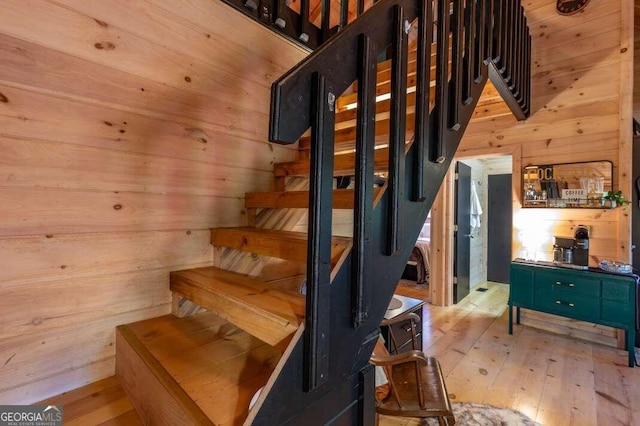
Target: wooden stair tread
<point x="274" y="243"/>
<point x="346" y="120"/>
<point x="103" y="402"/>
<point x="342" y="199"/>
<point x="267" y="313"/>
<point x="344" y="164"/>
<point x="217" y="376"/>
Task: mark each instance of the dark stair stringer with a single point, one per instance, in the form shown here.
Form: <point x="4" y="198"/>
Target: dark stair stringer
<point x="327" y="377"/>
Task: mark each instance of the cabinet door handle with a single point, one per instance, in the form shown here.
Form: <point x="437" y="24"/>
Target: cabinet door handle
<point x="569" y="304"/>
<point x="568" y="284"/>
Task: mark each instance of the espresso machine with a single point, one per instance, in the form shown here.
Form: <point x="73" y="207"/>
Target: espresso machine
<point x="572" y="252"/>
<point x="581" y="245"/>
<point x="563" y="250"/>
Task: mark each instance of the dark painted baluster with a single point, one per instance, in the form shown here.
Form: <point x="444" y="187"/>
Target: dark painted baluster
<point x="527" y="98"/>
<point x="436" y="148"/>
<point x="279" y="13"/>
<point x="365" y="155"/>
<point x="498" y="33"/>
<point x="326" y="19"/>
<point x="513" y="39"/>
<point x="359" y="7"/>
<point x="303" y="31"/>
<point x="523" y="58"/>
<point x="507" y="31"/>
<point x="514" y="53"/>
<point x="488" y="34"/>
<point x="317" y="321"/>
<point x="479" y="41"/>
<point x="469" y="49"/>
<point x="423" y="82"/>
<point x="525" y="71"/>
<point x="344" y="13"/>
<point x="457" y="29"/>
<point x="522" y="48"/>
<point x="397" y="130"/>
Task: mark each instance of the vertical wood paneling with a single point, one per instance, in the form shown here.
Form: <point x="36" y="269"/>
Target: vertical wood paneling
<point x="127" y="130"/>
<point x="578" y="114"/>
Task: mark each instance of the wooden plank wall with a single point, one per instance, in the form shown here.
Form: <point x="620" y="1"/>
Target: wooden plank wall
<point x="636" y="61"/>
<point x="578" y="114"/>
<point x="127" y="129"/>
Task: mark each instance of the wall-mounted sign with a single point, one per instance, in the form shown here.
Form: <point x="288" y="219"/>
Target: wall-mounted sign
<point x="577" y="195"/>
<point x="569" y="7"/>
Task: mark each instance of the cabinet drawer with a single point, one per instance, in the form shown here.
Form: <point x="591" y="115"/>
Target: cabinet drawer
<point x="620" y="313"/>
<point x="570" y="305"/>
<point x="570" y="282"/>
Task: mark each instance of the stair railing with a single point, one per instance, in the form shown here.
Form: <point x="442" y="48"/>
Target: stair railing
<point x="489" y="39"/>
<point x="310" y="26"/>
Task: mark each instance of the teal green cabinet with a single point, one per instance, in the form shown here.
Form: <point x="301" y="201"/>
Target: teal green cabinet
<point x="592" y="296"/>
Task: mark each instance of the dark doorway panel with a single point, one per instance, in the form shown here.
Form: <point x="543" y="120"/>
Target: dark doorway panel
<point x="461" y="263"/>
<point x="499" y="226"/>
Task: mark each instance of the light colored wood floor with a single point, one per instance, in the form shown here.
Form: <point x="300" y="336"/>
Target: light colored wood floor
<point x="554" y="379"/>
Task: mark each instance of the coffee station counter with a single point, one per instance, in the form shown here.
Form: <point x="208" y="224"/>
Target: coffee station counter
<point x="548" y="264"/>
<point x="591" y="295"/>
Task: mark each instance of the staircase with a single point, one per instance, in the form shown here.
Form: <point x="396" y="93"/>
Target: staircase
<point x="309" y="353"/>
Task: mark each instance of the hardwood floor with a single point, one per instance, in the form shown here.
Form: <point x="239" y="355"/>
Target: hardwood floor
<point x="554" y="379"/>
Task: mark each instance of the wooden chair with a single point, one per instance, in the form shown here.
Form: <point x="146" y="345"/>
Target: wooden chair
<point x="417" y="387"/>
<point x="394" y="344"/>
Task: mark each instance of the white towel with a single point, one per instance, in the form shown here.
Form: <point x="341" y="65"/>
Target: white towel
<point x="476" y="208"/>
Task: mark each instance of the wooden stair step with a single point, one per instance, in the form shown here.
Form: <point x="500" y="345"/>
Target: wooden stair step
<point x="99" y="403"/>
<point x="281" y="244"/>
<point x="490" y="102"/>
<point x="342" y="199"/>
<point x="267" y="313"/>
<point x="345" y="127"/>
<point x="383" y="88"/>
<point x="344" y="164"/>
<point x="383" y="76"/>
<point x="198" y="370"/>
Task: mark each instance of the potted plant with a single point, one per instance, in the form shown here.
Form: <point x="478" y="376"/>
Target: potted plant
<point x="614" y="199"/>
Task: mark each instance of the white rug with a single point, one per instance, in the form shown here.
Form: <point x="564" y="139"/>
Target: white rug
<point x="471" y="414"/>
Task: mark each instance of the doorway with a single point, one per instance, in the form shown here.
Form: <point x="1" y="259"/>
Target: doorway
<point x="483" y="163"/>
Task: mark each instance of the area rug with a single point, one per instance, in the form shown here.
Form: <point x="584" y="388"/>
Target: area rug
<point x="471" y="414"/>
